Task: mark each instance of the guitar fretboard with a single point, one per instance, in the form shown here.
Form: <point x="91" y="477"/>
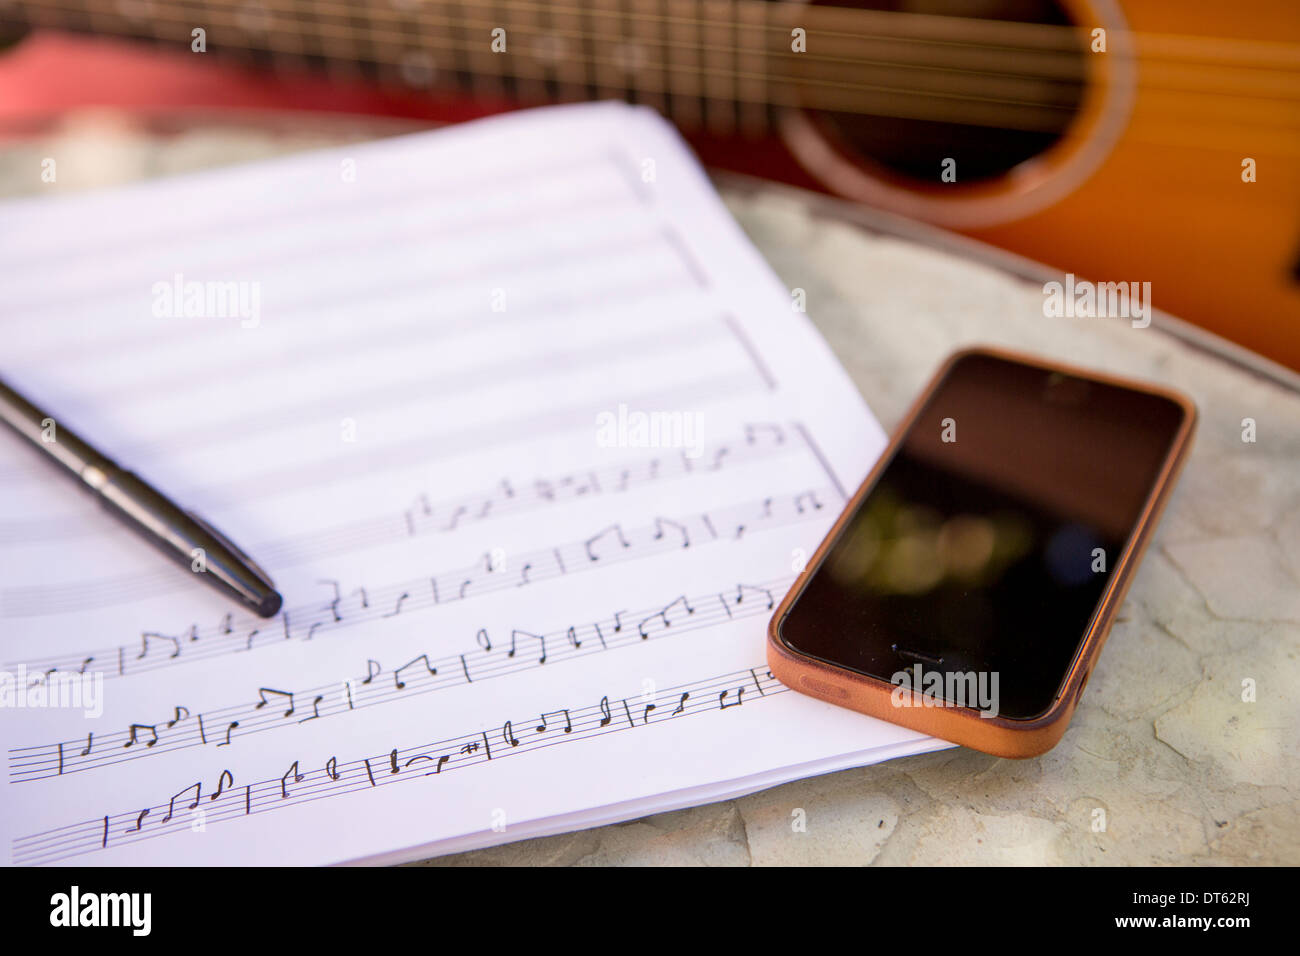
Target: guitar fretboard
<point x="724" y="64"/>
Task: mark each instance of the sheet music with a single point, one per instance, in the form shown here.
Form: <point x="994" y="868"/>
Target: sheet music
<point x="530" y="439"/>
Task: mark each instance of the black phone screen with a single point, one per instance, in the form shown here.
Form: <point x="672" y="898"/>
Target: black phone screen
<point x="986" y="543"/>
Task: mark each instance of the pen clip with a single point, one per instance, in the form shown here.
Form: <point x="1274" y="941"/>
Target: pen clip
<point x="236" y="549"/>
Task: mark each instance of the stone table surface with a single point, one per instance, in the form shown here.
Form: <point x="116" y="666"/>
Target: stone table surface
<point x="1165" y="761"/>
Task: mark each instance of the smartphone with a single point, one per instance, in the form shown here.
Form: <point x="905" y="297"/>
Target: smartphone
<point x="970" y="583"/>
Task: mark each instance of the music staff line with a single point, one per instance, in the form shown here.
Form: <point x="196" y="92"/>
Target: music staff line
<point x="431" y="448"/>
<point x="340" y="240"/>
<point x="399" y="328"/>
<point x="421" y="517"/>
<point x="329" y="211"/>
<point x="70" y="525"/>
<point x="301" y="784"/>
<point x="523" y="650"/>
<point x="611" y="544"/>
<point x="659" y="344"/>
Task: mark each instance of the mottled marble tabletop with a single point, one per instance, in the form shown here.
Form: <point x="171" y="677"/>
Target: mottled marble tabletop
<point x="1186" y="745"/>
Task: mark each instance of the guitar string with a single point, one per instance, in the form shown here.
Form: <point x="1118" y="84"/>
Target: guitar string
<point x="266" y="33"/>
<point x="685" y="107"/>
<point x="999" y="117"/>
<point x="267" y="38"/>
<point x="925" y="28"/>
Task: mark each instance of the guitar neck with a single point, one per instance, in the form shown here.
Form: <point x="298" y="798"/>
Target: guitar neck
<point x="715" y="63"/>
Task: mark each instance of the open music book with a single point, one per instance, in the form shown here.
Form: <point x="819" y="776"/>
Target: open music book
<point x="530" y="439"/>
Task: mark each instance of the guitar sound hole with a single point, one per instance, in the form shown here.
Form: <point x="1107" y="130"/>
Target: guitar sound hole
<point x="1026" y="96"/>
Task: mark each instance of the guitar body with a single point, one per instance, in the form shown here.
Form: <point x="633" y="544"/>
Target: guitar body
<point x="1147" y="185"/>
<point x="1134" y="167"/>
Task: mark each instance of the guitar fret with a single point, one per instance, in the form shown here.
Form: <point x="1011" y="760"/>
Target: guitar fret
<point x="458" y="62"/>
<point x="526" y="52"/>
<point x="487" y="69"/>
<point x="608" y="80"/>
<point x="683" y="62"/>
<point x="646" y="61"/>
<point x="720" y="55"/>
<point x="751" y="91"/>
<point x="575" y="51"/>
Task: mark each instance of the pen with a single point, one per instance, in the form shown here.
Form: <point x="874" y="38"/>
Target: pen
<point x="182" y="535"/>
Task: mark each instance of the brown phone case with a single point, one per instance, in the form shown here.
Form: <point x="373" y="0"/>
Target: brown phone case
<point x="1001" y="736"/>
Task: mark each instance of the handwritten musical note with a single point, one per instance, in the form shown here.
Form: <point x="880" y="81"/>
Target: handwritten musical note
<point x="131" y="742"/>
<point x="144" y="643"/>
<point x="541" y="639"/>
<point x="811" y="498"/>
<point x="568" y="722"/>
<point x="740" y="594"/>
<point x="618" y="534"/>
<point x="661" y="523"/>
<point x="338" y="598"/>
<point x="263" y="691"/>
<point x="722" y="698"/>
<point x="752" y="431"/>
<point x="226" y="778"/>
<point x="315" y="707"/>
<point x="397" y="680"/>
<point x="171" y="806"/>
<point x="284" y="781"/>
<point x="662" y="615"/>
<point x="397" y="608"/>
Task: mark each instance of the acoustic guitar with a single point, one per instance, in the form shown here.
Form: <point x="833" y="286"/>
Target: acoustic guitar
<point x="1152" y="141"/>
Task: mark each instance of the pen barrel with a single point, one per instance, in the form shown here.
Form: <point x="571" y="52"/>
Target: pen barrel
<point x="185" y="539"/>
<point x="51" y="436"/>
